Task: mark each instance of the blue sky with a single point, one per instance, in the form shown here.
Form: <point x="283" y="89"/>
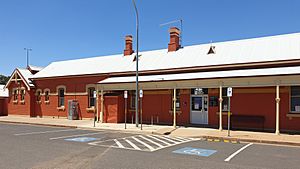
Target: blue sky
<point x="71" y="29"/>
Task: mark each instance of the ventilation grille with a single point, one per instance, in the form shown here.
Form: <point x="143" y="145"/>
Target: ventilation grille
<point x="212" y="50"/>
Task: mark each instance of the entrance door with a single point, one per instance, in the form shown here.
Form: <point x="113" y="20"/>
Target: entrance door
<point x="199" y="109"/>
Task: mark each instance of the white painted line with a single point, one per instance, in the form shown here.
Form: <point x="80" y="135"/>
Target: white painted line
<point x="103" y="141"/>
<point x="163" y="137"/>
<point x="180" y="139"/>
<point x="151" y="141"/>
<point x="145" y="144"/>
<point x="237" y="152"/>
<point x="133" y="145"/>
<point x="126" y="148"/>
<point x="118" y="143"/>
<point x="77" y="135"/>
<point x="43" y="132"/>
<point x="148" y="149"/>
<point x="158" y="139"/>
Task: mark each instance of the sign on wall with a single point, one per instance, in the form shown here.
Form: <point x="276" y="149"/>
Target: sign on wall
<point x="141" y="93"/>
<point x="125" y="94"/>
<point x="95" y="94"/>
<point x="229" y="91"/>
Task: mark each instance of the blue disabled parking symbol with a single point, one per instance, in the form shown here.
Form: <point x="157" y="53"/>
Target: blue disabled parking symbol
<point x="81" y="139"/>
<point x="195" y="151"/>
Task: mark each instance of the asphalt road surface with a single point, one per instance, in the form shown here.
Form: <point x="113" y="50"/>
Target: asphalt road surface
<point x="30" y="146"/>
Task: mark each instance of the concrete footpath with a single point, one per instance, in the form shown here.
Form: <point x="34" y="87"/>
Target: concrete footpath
<point x="196" y="132"/>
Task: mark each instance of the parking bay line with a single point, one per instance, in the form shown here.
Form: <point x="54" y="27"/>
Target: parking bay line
<point x="145" y="144"/>
<point x="77" y="135"/>
<point x="237" y="152"/>
<point x="133" y="145"/>
<point x="153" y="142"/>
<point x="43" y="132"/>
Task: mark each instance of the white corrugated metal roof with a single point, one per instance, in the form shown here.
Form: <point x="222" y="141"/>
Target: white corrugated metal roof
<point x="206" y="75"/>
<point x="36" y="68"/>
<point x="27" y="75"/>
<point x="280" y="47"/>
<point x="3" y="91"/>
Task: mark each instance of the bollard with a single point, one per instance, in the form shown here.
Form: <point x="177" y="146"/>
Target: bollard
<point x="157" y="119"/>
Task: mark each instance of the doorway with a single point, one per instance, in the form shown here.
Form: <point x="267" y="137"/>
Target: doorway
<point x="199" y="109"/>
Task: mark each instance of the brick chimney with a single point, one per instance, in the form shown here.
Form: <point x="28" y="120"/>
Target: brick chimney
<point x="128" y="45"/>
<point x="174" y="39"/>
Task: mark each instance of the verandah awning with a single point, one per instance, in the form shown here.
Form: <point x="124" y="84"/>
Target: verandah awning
<point x="233" y="78"/>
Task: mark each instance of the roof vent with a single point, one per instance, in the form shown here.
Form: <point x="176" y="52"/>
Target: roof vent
<point x="212" y="50"/>
<point x="134" y="59"/>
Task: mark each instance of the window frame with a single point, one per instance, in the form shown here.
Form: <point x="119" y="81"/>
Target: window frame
<point x="38" y="95"/>
<point x="61" y="99"/>
<point x="91" y="97"/>
<point x="15" y="93"/>
<point x="22" y="94"/>
<point x="225" y="98"/>
<point x="290" y="100"/>
<point x="47" y="95"/>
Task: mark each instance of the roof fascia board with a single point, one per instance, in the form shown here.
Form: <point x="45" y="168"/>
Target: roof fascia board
<point x="22" y="78"/>
<point x="253" y="81"/>
<point x="11" y="76"/>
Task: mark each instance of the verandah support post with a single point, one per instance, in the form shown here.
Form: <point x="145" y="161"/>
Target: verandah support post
<point x="97" y="104"/>
<point x="174" y="108"/>
<point x="220" y="108"/>
<point x="277" y="110"/>
<point x="101" y="112"/>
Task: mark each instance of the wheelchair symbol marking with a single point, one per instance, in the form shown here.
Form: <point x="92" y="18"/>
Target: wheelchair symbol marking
<point x="195" y="151"/>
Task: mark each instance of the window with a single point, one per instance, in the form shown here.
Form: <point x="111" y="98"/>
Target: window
<point x="196" y="103"/>
<point x="38" y="95"/>
<point x="225" y="100"/>
<point x="295" y="99"/>
<point x="177" y="99"/>
<point x="47" y="93"/>
<point x="61" y="97"/>
<point x="213" y="101"/>
<point x="132" y="99"/>
<point x="22" y="93"/>
<point x="92" y="98"/>
<point x="15" y="94"/>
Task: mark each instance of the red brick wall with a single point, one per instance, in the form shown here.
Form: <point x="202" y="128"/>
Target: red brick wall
<point x="75" y="90"/>
<point x="157" y="106"/>
<point x="287" y="123"/>
<point x="19" y="108"/>
<point x="257" y="101"/>
<point x="114" y="109"/>
<point x="3" y="106"/>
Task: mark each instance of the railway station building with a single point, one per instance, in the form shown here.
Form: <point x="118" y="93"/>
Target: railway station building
<point x="182" y="85"/>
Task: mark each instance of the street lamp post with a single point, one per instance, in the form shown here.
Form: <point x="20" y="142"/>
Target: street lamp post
<point x="27" y="56"/>
<point x="137" y="67"/>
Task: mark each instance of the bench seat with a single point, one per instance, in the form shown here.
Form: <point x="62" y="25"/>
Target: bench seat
<point x="247" y="121"/>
